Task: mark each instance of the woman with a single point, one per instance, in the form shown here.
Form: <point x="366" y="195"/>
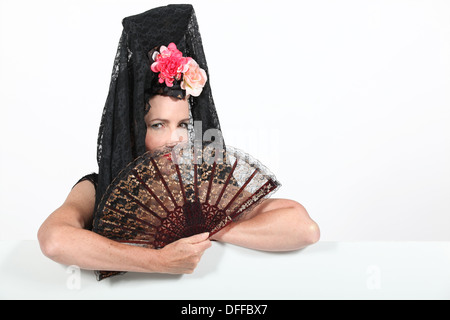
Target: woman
<point x="130" y="127"/>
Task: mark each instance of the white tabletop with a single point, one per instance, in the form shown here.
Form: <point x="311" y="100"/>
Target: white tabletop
<point x="326" y="270"/>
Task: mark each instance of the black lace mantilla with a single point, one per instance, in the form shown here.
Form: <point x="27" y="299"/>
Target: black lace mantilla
<point x="121" y="137"/>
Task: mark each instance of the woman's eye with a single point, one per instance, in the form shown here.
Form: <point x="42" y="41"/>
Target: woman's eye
<point x="184" y="125"/>
<point x="156" y="125"/>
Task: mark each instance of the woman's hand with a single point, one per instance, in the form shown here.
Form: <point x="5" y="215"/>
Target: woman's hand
<point x="182" y="256"/>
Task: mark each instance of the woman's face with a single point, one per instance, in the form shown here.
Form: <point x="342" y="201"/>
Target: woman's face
<point x="167" y="122"/>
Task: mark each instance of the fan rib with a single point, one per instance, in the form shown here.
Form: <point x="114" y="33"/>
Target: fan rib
<point x="226" y="182"/>
<point x="129" y="215"/>
<point x="220" y="227"/>
<point x="140" y="203"/>
<point x="260" y="193"/>
<point x="210" y="182"/>
<point x="115" y="226"/>
<point x="137" y="219"/>
<point x="180" y="180"/>
<point x="195" y="181"/>
<point x="241" y="189"/>
<point x="150" y="191"/>
<point x="136" y="241"/>
<point x="164" y="182"/>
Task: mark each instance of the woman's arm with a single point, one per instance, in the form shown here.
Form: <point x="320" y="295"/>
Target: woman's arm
<point x="63" y="238"/>
<point x="274" y="225"/>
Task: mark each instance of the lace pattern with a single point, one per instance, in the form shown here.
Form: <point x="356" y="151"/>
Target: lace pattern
<point x="121" y="137"/>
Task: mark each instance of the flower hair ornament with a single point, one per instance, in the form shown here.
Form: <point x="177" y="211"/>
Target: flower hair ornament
<point x="171" y="66"/>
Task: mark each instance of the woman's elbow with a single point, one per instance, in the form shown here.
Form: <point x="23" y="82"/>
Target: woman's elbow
<point x="308" y="231"/>
<point x="312" y="233"/>
<point x="48" y="239"/>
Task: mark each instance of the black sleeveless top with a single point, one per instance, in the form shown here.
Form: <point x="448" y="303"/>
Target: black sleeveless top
<point x="92" y="177"/>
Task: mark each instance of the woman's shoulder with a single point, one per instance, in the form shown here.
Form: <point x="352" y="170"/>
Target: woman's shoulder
<point x="81" y="198"/>
<point x="92" y="177"/>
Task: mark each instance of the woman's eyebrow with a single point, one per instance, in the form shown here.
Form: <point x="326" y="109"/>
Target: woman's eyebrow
<point x="158" y="119"/>
<point x="166" y="120"/>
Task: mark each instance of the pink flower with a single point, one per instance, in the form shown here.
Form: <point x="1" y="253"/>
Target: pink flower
<point x="170" y="64"/>
<point x="194" y="79"/>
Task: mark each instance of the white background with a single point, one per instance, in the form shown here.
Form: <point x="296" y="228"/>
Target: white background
<point x="347" y="102"/>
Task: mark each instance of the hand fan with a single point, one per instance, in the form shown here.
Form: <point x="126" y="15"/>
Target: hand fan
<point x="171" y="194"/>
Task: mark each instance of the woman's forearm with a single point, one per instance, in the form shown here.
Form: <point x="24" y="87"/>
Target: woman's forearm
<point x="64" y="238"/>
<point x="281" y="229"/>
<point x="70" y="245"/>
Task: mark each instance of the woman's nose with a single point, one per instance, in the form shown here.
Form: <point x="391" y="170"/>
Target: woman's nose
<point x="178" y="135"/>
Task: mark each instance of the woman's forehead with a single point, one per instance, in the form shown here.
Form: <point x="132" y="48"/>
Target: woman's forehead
<point x="167" y="108"/>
